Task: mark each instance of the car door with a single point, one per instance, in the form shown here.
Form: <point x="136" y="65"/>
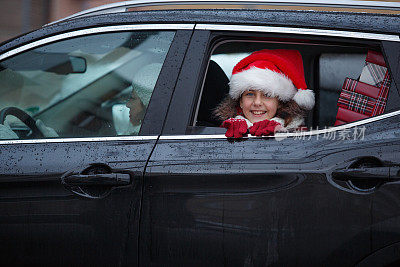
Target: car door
<point x="71" y="185"/>
<point x="302" y="198"/>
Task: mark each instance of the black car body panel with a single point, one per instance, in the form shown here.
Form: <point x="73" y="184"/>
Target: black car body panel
<point x="47" y="219"/>
<point x="206" y="200"/>
<point x="235" y="196"/>
<point x="39" y="216"/>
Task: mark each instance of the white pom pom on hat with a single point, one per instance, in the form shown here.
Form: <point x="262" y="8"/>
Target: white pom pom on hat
<point x="277" y="73"/>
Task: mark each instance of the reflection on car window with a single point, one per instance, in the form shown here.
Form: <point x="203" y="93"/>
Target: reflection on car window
<point x="97" y="85"/>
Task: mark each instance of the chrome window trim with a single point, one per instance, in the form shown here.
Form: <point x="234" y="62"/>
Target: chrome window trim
<point x="105" y="29"/>
<point x="285" y="135"/>
<point x="197" y="137"/>
<point x="303" y="31"/>
<point x="79" y="139"/>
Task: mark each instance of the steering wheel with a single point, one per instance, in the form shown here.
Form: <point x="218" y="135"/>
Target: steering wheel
<point x="24" y="117"/>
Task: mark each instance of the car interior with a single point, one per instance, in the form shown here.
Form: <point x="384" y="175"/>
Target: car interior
<point x="79" y="87"/>
<point x="326" y="66"/>
<point x="84" y="92"/>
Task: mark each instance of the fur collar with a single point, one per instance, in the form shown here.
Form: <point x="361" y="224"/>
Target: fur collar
<point x="226" y="109"/>
<point x="294" y="124"/>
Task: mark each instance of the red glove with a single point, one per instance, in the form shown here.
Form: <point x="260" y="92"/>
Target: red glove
<point x="236" y="127"/>
<point x="265" y="127"/>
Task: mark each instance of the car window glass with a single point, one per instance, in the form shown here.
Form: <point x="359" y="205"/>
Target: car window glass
<point x="96" y="85"/>
<point x="327" y="69"/>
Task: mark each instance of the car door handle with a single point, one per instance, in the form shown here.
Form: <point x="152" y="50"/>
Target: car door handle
<point x="376" y="173"/>
<point x="111" y="179"/>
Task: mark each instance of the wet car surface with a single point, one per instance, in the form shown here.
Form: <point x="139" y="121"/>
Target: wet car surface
<point x="137" y="171"/>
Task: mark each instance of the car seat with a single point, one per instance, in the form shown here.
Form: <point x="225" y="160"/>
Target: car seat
<point x="216" y="87"/>
<point x="143" y="84"/>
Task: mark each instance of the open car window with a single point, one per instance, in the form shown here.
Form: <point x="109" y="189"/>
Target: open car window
<point x="351" y="82"/>
<point x="95" y="85"/>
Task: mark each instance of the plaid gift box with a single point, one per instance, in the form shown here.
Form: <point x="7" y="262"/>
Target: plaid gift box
<point x="375" y="69"/>
<point x="358" y="97"/>
<point x="366" y="97"/>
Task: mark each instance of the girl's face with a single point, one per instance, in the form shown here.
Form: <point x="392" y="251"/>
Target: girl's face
<point x="257" y="106"/>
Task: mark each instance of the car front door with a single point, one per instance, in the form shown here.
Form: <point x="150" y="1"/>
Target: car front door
<point x="71" y="191"/>
<point x="293" y="199"/>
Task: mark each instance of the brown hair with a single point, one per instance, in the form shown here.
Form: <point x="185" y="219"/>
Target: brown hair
<point x="287" y="111"/>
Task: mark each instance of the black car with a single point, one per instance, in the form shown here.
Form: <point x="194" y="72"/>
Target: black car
<point x="110" y="154"/>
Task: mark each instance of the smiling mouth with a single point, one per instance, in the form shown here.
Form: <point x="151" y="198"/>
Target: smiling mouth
<point x="258" y="112"/>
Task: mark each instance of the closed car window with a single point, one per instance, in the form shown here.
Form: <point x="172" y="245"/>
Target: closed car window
<point x="350" y="83"/>
<point x="96" y="85"/>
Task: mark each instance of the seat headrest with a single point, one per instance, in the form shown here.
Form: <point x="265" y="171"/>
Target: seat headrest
<point x="215" y="89"/>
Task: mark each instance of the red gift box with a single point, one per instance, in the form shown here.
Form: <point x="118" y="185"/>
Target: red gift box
<point x="358" y="97"/>
<point x="344" y="116"/>
<point x="375" y="58"/>
<point x="359" y="100"/>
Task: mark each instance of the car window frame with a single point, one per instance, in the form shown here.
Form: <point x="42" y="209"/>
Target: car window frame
<point x="212" y="34"/>
<point x="391" y="53"/>
<point x="164" y="85"/>
<point x="163" y="90"/>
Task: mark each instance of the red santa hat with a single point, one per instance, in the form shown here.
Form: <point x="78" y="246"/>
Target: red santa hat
<point x="277" y="73"/>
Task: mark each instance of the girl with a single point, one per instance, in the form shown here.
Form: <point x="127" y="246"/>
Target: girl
<point x="267" y="93"/>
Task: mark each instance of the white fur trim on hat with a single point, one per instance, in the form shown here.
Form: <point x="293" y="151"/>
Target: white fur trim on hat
<point x="305" y="98"/>
<point x="267" y="81"/>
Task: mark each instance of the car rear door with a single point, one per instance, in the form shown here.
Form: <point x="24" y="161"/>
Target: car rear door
<point x="75" y="199"/>
<point x="288" y="200"/>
